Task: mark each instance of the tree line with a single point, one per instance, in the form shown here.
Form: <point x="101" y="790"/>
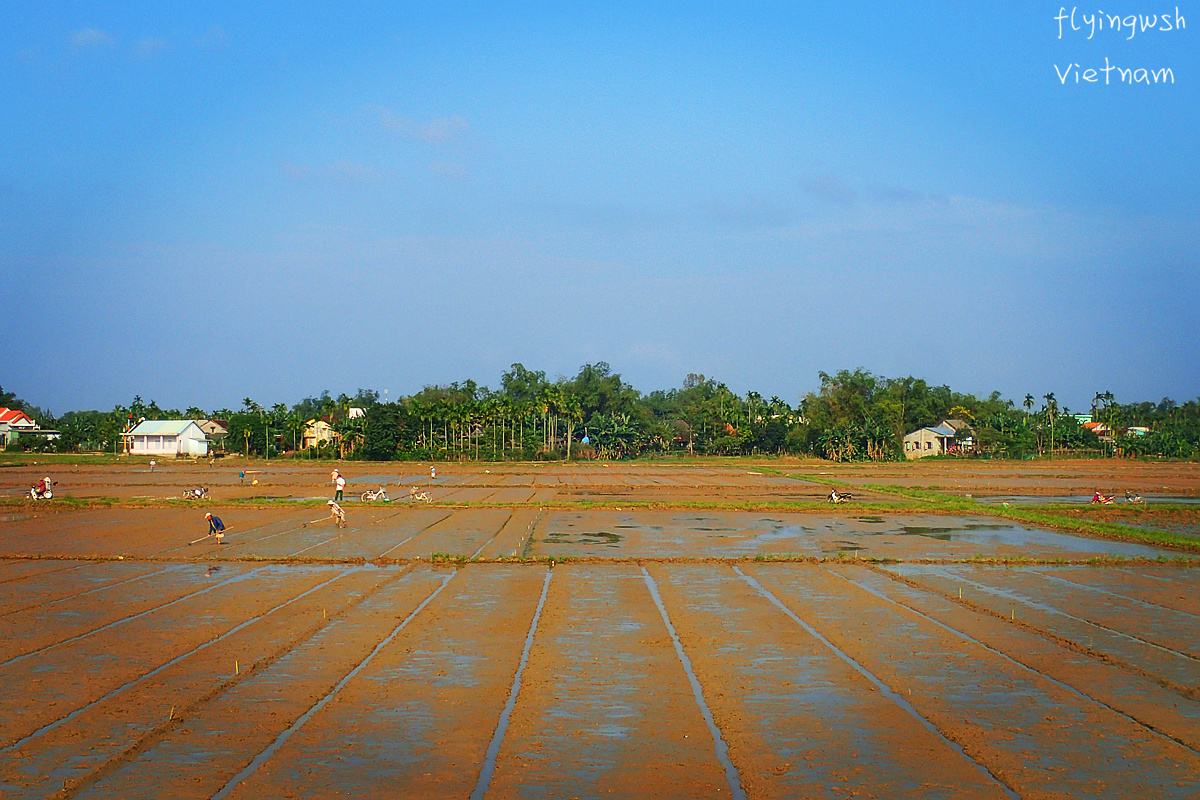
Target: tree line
<point x="853" y="416"/>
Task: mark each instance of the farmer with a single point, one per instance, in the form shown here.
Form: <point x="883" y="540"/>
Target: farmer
<point x="337" y="514"/>
<point x="215" y="527"/>
<point x="152" y="465"/>
<point x="340" y="482"/>
<point x="43" y="488"/>
<point x="333" y="476"/>
<point x="432" y="472"/>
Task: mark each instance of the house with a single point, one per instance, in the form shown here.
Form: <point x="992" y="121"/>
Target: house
<point x="215" y="432"/>
<point x="214" y="429"/>
<point x="15" y="423"/>
<point x="939" y="439"/>
<point x="1100" y="429"/>
<point x="315" y="432"/>
<point x="173" y="437"/>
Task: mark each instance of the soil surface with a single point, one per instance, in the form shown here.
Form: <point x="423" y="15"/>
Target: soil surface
<point x="589" y="630"/>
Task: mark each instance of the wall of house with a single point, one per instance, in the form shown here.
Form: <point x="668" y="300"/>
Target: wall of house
<point x="154" y="444"/>
<point x="167" y="444"/>
<point x="923" y="443"/>
<point x="193" y="447"/>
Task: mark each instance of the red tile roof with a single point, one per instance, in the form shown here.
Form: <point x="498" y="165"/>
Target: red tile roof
<point x="14" y="415"/>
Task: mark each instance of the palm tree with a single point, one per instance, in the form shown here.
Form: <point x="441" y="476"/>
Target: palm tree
<point x="574" y="413"/>
<point x="294" y="423"/>
<point x="1051" y="412"/>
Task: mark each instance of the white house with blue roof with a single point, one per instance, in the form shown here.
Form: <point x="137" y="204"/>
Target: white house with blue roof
<point x="166" y="437"/>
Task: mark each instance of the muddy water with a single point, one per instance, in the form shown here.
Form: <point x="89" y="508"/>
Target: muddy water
<point x="801" y="721"/>
<point x="605" y="707"/>
<point x="113" y="694"/>
<point x="1082" y="499"/>
<point x="422" y="712"/>
<point x="1139" y="694"/>
<point x="867" y="684"/>
<point x="671" y="534"/>
<point x="1158" y="640"/>
<point x="223" y="732"/>
<point x="462" y="533"/>
<point x="1031" y="732"/>
<point x="1042" y="681"/>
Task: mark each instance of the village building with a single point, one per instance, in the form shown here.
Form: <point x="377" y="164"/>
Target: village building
<point x="15" y="424"/>
<point x="940" y="439"/>
<point x="1102" y="431"/>
<point x="316" y="432"/>
<point x="214" y="429"/>
<point x="174" y="437"/>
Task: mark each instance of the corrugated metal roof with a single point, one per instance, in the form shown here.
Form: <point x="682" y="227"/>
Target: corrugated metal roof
<point x="163" y="427"/>
<point x="942" y="431"/>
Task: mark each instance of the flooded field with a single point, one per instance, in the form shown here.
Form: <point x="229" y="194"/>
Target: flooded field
<point x="552" y="647"/>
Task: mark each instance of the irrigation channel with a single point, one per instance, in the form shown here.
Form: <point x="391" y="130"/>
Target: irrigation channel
<point x="575" y="648"/>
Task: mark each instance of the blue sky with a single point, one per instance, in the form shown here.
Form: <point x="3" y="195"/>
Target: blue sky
<point x="204" y="204"/>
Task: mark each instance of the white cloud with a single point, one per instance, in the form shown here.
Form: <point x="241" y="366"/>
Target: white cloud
<point x="149" y="48"/>
<point x="744" y="215"/>
<point x="351" y="172"/>
<point x="294" y="170"/>
<point x="830" y="189"/>
<point x="89" y="38"/>
<point x="448" y="169"/>
<point x="437" y="130"/>
<point x="442" y="129"/>
<point x="344" y="172"/>
<point x="214" y="37"/>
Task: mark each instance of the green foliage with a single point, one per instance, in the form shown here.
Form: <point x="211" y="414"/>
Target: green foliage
<point x="855" y="415"/>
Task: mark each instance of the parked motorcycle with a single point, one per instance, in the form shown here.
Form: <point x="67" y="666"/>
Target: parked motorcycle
<point x="199" y="493"/>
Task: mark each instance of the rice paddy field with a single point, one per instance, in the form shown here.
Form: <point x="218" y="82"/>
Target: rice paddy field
<point x="959" y="629"/>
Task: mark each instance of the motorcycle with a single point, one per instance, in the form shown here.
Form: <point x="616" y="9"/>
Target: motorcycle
<point x="43" y="491"/>
<point x="380" y="494"/>
<point x="199" y="493"/>
<point x="835" y="497"/>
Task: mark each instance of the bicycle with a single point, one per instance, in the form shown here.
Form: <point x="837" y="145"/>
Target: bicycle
<point x="379" y="494"/>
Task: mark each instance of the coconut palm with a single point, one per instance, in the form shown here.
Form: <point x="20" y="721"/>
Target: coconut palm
<point x="1051" y="412"/>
